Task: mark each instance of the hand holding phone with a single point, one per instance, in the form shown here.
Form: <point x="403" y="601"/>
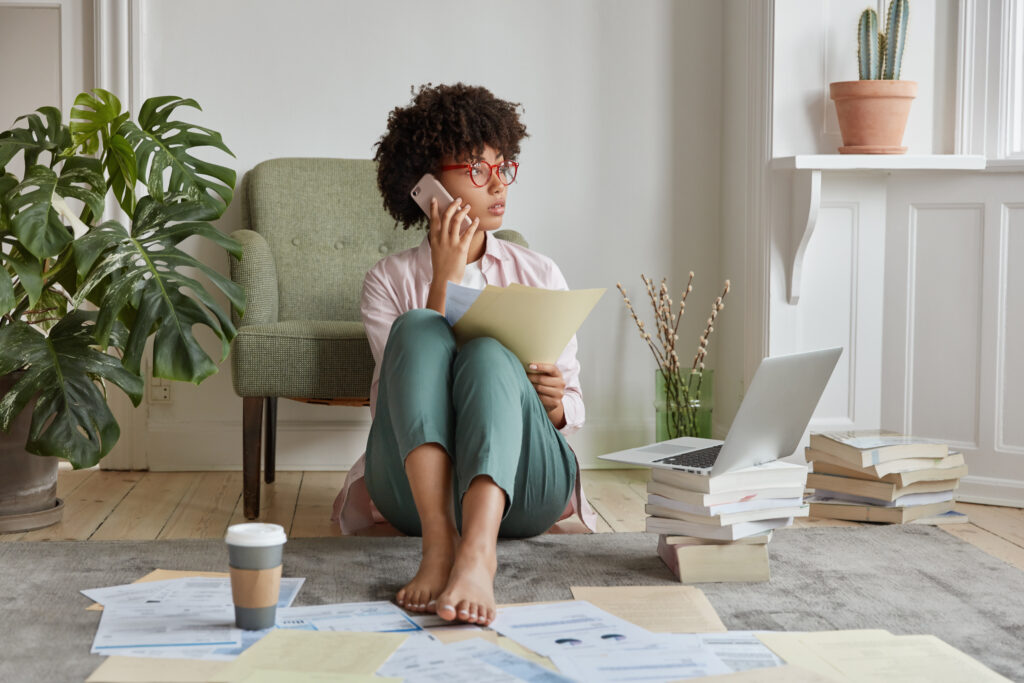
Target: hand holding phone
<point x="428" y="187"/>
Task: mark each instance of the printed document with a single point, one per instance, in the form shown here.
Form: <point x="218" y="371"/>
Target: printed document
<point x="419" y="662"/>
<point x="577" y="625"/>
<point x="165" y="626"/>
<point x="210" y="592"/>
<point x="533" y="323"/>
<point x="379" y="617"/>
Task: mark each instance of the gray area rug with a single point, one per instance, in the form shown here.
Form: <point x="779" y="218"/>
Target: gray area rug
<point x="905" y="579"/>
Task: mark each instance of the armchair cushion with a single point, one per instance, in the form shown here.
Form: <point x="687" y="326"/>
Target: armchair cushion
<point x="321" y="359"/>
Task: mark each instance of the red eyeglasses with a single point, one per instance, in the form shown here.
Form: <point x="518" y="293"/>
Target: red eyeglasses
<point x="480" y="172"/>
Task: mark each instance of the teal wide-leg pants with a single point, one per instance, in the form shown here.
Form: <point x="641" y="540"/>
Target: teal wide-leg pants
<point x="479" y="405"/>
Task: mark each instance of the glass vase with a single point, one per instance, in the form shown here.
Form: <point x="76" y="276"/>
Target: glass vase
<point x="683" y="407"/>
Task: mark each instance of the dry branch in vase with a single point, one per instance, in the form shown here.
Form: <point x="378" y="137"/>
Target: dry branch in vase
<point x="682" y="408"/>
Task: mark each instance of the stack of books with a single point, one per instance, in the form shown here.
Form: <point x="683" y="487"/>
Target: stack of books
<point x="879" y="476"/>
<point x="717" y="528"/>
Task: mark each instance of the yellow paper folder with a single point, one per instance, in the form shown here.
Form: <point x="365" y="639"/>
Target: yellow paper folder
<point x="533" y="323"/>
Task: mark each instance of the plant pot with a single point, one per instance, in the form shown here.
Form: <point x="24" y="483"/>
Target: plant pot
<point x="688" y="414"/>
<point x="873" y="114"/>
<point x="28" y="483"/>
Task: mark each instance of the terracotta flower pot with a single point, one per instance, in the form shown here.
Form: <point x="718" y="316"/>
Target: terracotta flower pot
<point x="873" y="114"/>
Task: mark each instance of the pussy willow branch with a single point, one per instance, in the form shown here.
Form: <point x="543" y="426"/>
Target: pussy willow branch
<point x="682" y="302"/>
<point x="702" y="349"/>
<point x="681" y="410"/>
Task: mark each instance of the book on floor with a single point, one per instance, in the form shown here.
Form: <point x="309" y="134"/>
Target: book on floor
<point x="954" y="459"/>
<point x="725" y="508"/>
<point x="774" y="473"/>
<point x="667" y="525"/>
<point x="874" y="447"/>
<point x="758" y="539"/>
<point x="705" y="500"/>
<point x="824" y="508"/>
<point x="908" y="500"/>
<point x="726" y="519"/>
<point x="900" y="479"/>
<point x="715" y="562"/>
<point x="875" y="489"/>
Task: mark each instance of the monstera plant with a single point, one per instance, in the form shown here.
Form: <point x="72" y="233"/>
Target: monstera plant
<point x="80" y="296"/>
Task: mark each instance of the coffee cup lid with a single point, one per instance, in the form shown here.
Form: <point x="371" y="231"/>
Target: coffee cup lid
<point x="255" y="534"/>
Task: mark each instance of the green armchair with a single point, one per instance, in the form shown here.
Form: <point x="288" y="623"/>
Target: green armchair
<point x="315" y="227"/>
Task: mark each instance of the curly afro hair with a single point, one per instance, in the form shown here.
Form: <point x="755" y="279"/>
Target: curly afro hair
<point x="441" y="121"/>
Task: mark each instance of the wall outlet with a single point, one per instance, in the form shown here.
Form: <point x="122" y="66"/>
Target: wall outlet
<point x="159" y="393"/>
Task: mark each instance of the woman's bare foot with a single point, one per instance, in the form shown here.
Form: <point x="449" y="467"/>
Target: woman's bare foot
<point x="420" y="594"/>
<point x="469" y="595"/>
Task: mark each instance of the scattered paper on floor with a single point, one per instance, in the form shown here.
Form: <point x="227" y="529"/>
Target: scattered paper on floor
<point x="878" y="655"/>
<point x="788" y="673"/>
<point x="148" y="670"/>
<point x="314" y="652"/>
<point x="378" y="616"/>
<point x="576" y="625"/>
<point x="280" y="676"/>
<point x="165" y="626"/>
<point x="206" y="591"/>
<point x="662" y="609"/>
<point x="165" y="574"/>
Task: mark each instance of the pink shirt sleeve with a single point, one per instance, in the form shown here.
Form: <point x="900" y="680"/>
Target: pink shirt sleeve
<point x="379" y="307"/>
<point x="572" y="399"/>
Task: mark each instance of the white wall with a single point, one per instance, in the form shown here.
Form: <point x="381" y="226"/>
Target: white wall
<point x="619" y="176"/>
<point x="817" y="45"/>
<point x="46" y="53"/>
<point x="26" y="30"/>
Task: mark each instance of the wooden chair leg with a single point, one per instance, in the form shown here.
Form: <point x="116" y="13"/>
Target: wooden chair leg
<point x="269" y="449"/>
<point x="252" y="419"/>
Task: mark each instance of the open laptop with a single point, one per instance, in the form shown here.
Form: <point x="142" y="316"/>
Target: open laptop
<point x="769" y="424"/>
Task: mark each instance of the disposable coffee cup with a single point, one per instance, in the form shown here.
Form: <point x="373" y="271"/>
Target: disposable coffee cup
<point x="254" y="554"/>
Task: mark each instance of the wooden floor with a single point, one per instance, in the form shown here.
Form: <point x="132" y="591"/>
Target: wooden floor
<point x="104" y="506"/>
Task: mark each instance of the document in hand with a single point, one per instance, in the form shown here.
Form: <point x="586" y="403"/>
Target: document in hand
<point x="533" y="323"/>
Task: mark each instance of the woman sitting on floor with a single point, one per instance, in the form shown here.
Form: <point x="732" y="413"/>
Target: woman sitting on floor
<point x="463" y="440"/>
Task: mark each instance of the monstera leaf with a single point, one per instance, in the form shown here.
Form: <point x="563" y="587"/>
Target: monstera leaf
<point x="96" y="119"/>
<point x="71" y="418"/>
<point x="7" y="243"/>
<point x="151" y="280"/>
<point x="162" y="144"/>
<point x="36" y="205"/>
<point x="49" y="136"/>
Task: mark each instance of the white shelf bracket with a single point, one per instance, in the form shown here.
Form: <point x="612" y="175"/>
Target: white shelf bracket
<point x="805" y="204"/>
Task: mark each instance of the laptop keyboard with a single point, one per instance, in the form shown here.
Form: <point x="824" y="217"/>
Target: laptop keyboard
<point x="699" y="460"/>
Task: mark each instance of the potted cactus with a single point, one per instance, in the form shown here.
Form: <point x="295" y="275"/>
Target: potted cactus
<point x="873" y="111"/>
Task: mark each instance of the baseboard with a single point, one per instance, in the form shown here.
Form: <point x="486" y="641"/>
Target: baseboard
<point x="333" y="446"/>
<point x="216" y="447"/>
<point x="991" y="491"/>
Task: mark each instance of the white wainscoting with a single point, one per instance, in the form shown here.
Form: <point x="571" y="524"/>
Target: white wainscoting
<point x="954" y="322"/>
<point x="841" y="295"/>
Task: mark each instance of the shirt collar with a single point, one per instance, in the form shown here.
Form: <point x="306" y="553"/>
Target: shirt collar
<point x="495" y="248"/>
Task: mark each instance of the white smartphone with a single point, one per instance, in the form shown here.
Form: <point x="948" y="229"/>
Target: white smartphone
<point x="428" y="187"/>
